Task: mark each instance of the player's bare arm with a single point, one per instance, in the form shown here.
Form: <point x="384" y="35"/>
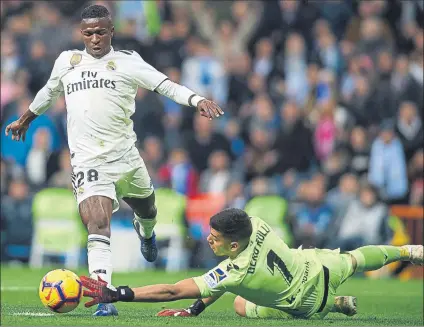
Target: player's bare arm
<point x="19" y="127"/>
<point x="100" y="293"/>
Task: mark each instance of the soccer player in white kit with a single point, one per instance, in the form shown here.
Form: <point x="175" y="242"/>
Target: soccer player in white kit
<point x="100" y="85"/>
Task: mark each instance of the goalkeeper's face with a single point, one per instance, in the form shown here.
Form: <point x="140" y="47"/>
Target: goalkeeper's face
<point x="222" y="246"/>
<point x="97" y="35"/>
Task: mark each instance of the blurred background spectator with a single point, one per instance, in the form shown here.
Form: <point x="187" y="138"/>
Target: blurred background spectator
<point x="323" y="106"/>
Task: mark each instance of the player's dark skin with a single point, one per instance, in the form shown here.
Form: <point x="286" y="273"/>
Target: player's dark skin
<point x="96" y="211"/>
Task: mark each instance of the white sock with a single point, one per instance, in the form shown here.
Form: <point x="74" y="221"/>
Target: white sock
<point x="99" y="257"/>
<point x="146" y="226"/>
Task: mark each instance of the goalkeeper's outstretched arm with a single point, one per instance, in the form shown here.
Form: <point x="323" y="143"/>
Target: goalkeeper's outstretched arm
<point x="99" y="291"/>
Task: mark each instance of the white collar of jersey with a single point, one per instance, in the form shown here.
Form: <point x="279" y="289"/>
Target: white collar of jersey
<point x="107" y="54"/>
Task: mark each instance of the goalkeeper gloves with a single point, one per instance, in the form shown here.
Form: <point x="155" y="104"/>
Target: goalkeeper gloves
<point x="101" y="293"/>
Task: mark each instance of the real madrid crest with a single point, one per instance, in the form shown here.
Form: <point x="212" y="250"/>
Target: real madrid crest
<point x="76" y="59"/>
<point x="111" y="66"/>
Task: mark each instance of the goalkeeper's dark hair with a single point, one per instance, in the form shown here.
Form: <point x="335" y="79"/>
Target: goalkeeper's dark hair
<point x="232" y="223"/>
<point x="95" y="11"/>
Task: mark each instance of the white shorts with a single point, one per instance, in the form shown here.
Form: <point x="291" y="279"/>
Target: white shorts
<point x="126" y="177"/>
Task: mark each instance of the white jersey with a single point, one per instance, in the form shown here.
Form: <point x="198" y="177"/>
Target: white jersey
<point x="100" y="99"/>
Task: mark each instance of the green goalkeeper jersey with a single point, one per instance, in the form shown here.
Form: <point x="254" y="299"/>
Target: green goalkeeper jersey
<point x="269" y="273"/>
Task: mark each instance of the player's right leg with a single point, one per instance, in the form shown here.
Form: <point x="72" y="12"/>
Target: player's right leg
<point x="96" y="212"/>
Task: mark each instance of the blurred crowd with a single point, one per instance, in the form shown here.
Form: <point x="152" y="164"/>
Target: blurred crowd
<point x="323" y="106"/>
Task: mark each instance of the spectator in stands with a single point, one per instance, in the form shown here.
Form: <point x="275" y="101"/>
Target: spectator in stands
<point x="61" y="178"/>
<point x="232" y="133"/>
<point x="313" y="216"/>
<point x="402" y="84"/>
<point x="263" y="63"/>
<point x="46" y="19"/>
<point x="326" y="50"/>
<point x="334" y="167"/>
<point x="234" y="195"/>
<point x="238" y="68"/>
<point x="179" y="174"/>
<point x="337" y="13"/>
<point x="39" y="68"/>
<point x="294" y="141"/>
<point x="216" y="178"/>
<point x="387" y="165"/>
<point x="416" y="93"/>
<point x="204" y="73"/>
<point x="375" y="36"/>
<point x="263" y="115"/>
<point x="278" y="17"/>
<point x="359" y="151"/>
<point x="203" y="142"/>
<point x="260" y="158"/>
<point x="173" y="115"/>
<point x="416" y="178"/>
<point x="228" y="37"/>
<point x="293" y="66"/>
<point x="260" y="186"/>
<point x="384" y="97"/>
<point x="16" y="208"/>
<point x="153" y="155"/>
<point x="10" y="57"/>
<point x="18" y="151"/>
<point x="38" y="157"/>
<point x="409" y="128"/>
<point x="325" y="131"/>
<point x="361" y="101"/>
<point x="365" y="222"/>
<point x="341" y="196"/>
<point x="166" y="48"/>
<point x="148" y="115"/>
<point x="4" y="177"/>
<point x="288" y="184"/>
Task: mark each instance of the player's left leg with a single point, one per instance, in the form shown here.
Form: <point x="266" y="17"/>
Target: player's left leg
<point x="373" y="257"/>
<point x="248" y="309"/>
<point x="136" y="189"/>
<point x="144" y="221"/>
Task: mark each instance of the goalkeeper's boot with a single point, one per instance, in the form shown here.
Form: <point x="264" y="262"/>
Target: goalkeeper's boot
<point x="345" y="305"/>
<point x="105" y="309"/>
<point x="416" y="254"/>
<point x="148" y="246"/>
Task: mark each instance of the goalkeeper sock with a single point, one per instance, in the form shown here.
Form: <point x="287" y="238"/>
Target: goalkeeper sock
<point x="99" y="257"/>
<point x="146" y="226"/>
<point x="373" y="257"/>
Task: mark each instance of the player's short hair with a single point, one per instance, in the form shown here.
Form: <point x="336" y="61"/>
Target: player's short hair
<point x="95" y="11"/>
<point x="232" y="223"/>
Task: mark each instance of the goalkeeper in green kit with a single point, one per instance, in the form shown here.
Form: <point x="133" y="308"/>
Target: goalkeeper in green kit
<point x="270" y="279"/>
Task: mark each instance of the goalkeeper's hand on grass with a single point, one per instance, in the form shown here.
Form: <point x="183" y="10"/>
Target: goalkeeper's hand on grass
<point x="101" y="293"/>
<point x="175" y="313"/>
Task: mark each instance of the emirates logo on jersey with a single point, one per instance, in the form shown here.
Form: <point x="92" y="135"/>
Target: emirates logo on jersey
<point x="89" y="80"/>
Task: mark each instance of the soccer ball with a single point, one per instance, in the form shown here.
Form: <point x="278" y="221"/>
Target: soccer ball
<point x="60" y="290"/>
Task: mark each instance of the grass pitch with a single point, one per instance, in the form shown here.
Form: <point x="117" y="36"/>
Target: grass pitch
<point x="380" y="302"/>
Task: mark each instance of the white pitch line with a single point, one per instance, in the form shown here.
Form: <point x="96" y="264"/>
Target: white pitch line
<point x="33" y="314"/>
<point x="18" y="288"/>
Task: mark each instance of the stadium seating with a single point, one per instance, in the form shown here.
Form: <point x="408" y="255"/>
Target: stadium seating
<point x="273" y="210"/>
<point x="58" y="230"/>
